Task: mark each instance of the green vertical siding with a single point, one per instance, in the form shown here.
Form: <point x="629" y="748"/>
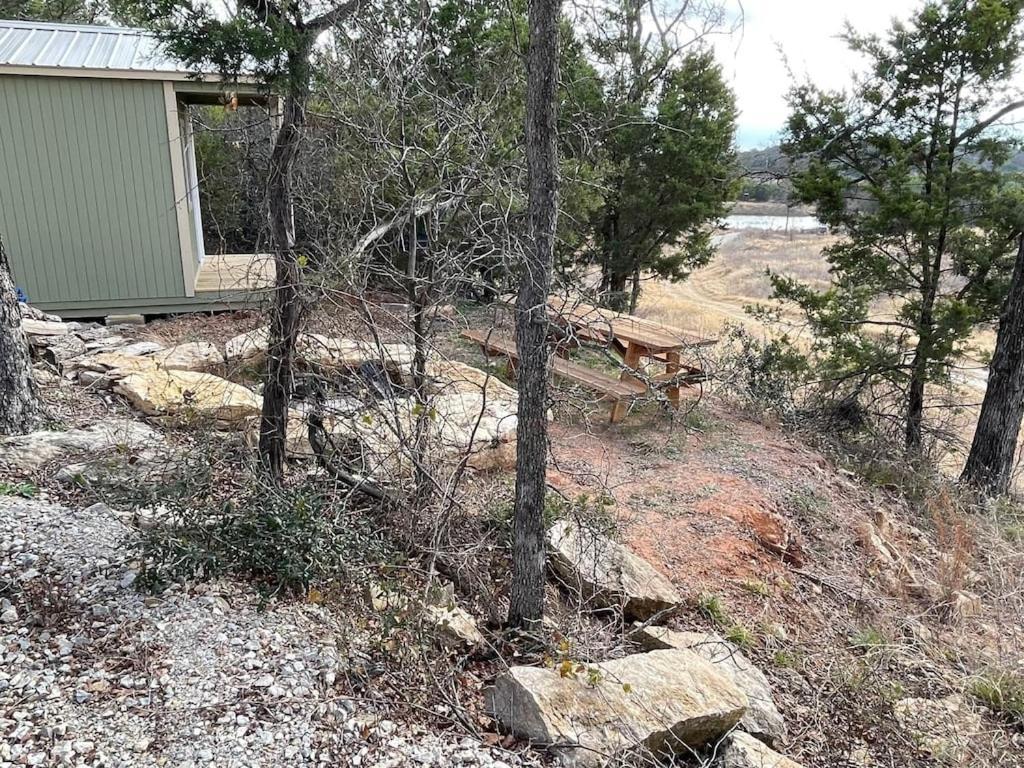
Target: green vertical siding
<point x="86" y="196"/>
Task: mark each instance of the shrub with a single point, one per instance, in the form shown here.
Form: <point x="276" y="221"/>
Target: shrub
<point x="763" y="374"/>
<point x="284" y="539"/>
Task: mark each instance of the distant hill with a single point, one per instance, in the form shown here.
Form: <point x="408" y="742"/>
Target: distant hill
<point x="763" y="174"/>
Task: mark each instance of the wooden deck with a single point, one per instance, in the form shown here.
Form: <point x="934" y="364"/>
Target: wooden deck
<point x="235" y="273"/>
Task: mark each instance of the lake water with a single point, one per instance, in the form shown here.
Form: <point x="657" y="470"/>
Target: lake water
<point x="774" y="223"/>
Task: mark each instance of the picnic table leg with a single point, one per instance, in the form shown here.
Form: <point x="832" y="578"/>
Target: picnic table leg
<point x="632" y="360"/>
<point x="672" y="366"/>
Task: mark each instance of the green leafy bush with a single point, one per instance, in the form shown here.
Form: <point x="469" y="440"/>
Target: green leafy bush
<point x="284" y="539"/>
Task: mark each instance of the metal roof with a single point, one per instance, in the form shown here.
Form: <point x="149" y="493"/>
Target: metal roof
<point x="80" y="46"/>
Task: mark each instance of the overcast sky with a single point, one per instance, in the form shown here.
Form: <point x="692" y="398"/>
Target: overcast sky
<point x="805" y="30"/>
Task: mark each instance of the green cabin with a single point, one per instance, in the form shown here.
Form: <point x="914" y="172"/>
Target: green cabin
<point x="99" y="195"/>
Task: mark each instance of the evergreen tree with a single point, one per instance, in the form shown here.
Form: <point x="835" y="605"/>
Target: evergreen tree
<point x="906" y="166"/>
<point x="64" y="11"/>
<point x="667" y="156"/>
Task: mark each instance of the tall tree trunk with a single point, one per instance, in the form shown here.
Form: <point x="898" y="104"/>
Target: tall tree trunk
<point x="990" y="463"/>
<point x="20" y="410"/>
<point x="913" y="436"/>
<point x="526" y="608"/>
<point x="285" y="309"/>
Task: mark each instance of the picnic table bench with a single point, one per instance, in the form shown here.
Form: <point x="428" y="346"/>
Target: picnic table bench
<point x="608" y="386"/>
<point x="634" y="339"/>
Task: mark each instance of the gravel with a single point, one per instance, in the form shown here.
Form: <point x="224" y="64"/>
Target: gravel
<point x="93" y="672"/>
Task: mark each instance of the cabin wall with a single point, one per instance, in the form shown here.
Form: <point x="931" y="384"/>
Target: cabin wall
<point x="87" y="207"/>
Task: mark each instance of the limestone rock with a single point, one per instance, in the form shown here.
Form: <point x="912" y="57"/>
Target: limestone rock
<point x="191" y="356"/>
<point x="457" y="425"/>
<point x="455" y="625"/>
<point x="36" y="329"/>
<point x="140" y="348"/>
<point x="248" y="348"/>
<point x="147" y="466"/>
<point x="942" y="728"/>
<point x="762" y="719"/>
<point x="744" y="751"/>
<point x="607" y="573"/>
<point x="658" y="701"/>
<point x="335" y="353"/>
<point x="452" y="377"/>
<point x="30" y="452"/>
<point x="157" y="392"/>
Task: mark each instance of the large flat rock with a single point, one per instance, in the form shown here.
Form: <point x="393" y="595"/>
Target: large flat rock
<point x="247" y="348"/>
<point x="744" y="751"/>
<point x="32" y="451"/>
<point x="340" y="353"/>
<point x="658" y="702"/>
<point x="190" y="356"/>
<point x="608" y="574"/>
<point x="763" y="718"/>
<point x="158" y="392"/>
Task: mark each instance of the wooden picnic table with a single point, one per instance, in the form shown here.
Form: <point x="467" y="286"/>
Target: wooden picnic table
<point x="634" y="339"/>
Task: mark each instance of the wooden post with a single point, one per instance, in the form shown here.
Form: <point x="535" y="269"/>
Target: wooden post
<point x="672" y="367"/>
<point x="632" y="362"/>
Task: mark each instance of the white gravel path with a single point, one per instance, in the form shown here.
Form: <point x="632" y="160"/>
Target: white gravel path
<point x="94" y="673"/>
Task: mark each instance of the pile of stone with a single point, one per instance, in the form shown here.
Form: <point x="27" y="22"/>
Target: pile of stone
<point x="687" y="690"/>
<point x="469" y="414"/>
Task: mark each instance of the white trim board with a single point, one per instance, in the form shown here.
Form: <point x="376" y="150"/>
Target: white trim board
<point x="174" y="146"/>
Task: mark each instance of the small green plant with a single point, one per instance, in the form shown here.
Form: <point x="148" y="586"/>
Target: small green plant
<point x="739" y="635"/>
<point x="712" y="607"/>
<point x="785" y="659"/>
<point x="1002" y="692"/>
<point x="596" y="511"/>
<point x="765" y="373"/>
<point x="25" y="490"/>
<point x="1009" y="518"/>
<point x="757" y="587"/>
<point x="806" y="502"/>
<point x="868" y="638"/>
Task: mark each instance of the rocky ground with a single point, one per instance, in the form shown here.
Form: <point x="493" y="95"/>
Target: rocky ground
<point x="94" y="672"/>
<point x="783" y="596"/>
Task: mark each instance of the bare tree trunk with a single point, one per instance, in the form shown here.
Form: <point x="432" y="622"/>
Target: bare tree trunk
<point x="20" y="410"/>
<point x="914" y="434"/>
<point x="418" y="302"/>
<point x="990" y="463"/>
<point x="286" y="309"/>
<point x="528" y="556"/>
<point x="634" y="294"/>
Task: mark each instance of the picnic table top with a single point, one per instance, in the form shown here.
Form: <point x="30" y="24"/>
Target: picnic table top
<point x="604" y="323"/>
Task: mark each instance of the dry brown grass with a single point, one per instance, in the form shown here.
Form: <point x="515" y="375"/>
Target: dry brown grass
<point x="718" y="293"/>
